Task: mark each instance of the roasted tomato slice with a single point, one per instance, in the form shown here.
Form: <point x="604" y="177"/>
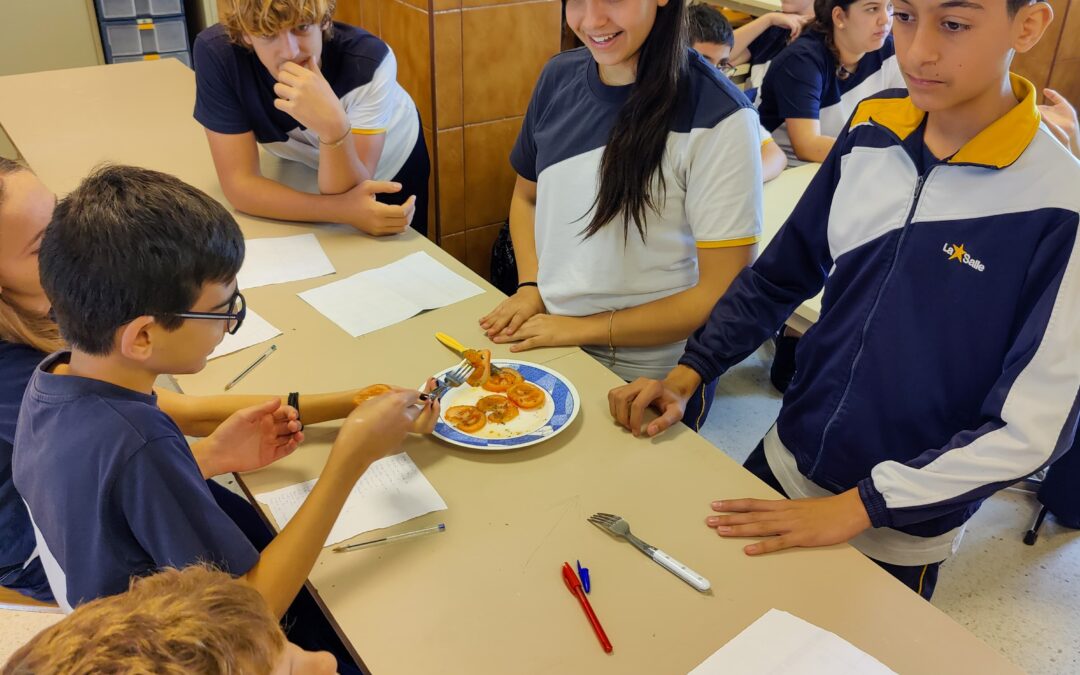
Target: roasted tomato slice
<point x="499" y="409"/>
<point x="370" y="392"/>
<point x="467" y="418"/>
<point x="506" y="378"/>
<point x="525" y="395"/>
<point x="480" y="360"/>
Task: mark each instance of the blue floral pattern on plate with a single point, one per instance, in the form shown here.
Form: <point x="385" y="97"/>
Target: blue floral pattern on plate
<point x="563" y="395"/>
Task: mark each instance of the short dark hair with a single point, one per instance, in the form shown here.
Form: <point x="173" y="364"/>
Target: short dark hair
<point x="1015" y="6"/>
<point x="708" y="24"/>
<point x="131" y="242"/>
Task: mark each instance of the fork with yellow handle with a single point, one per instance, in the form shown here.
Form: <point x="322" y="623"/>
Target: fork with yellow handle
<point x="460" y="349"/>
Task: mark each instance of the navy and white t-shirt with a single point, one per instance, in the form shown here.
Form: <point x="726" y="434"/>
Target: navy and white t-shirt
<point x="802" y="84"/>
<point x="234" y="94"/>
<point x="763" y="49"/>
<point x="712" y="171"/>
<point x="20" y="567"/>
<point x="112" y="488"/>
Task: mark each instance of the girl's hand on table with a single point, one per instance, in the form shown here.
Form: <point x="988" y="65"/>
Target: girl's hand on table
<point x="511" y="313"/>
<point x="543" y="330"/>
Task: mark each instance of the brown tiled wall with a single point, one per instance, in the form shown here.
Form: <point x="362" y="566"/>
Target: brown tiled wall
<point x="1055" y="61"/>
<point x="470" y="65"/>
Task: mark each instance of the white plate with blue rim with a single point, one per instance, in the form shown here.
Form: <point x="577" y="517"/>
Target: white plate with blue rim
<point x="561" y="406"/>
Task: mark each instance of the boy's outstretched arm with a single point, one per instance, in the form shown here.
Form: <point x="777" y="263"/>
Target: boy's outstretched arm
<point x="1029" y="419"/>
<point x="372" y="431"/>
<point x="791" y="269"/>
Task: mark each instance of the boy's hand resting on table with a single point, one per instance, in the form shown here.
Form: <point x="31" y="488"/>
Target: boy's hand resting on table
<point x="249" y="439"/>
<point x="787" y="523"/>
<point x="359" y="208"/>
<point x="511" y="313"/>
<point x="629" y="402"/>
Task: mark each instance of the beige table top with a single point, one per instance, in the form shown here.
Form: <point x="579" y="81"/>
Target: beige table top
<point x="752" y="7"/>
<point x="781" y="194"/>
<point x="487" y="596"/>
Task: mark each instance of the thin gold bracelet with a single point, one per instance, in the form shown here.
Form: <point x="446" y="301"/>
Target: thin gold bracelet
<point x="338" y="142"/>
<point x="610" y="340"/>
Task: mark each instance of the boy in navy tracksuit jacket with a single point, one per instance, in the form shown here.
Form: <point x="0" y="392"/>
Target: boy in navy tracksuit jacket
<point x="944" y="366"/>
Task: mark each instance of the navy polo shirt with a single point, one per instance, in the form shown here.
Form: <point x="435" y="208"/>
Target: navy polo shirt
<point x="112" y="488"/>
<point x="763" y="49"/>
<point x="234" y="94"/>
<point x="19" y="568"/>
<point x="802" y="84"/>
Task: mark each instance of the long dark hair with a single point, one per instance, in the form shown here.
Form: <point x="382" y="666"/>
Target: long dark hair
<point x="637" y="142"/>
<point x="823" y="23"/>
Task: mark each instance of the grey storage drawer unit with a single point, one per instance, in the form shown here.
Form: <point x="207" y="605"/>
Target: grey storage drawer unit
<point x="135" y="38"/>
<point x="110" y="10"/>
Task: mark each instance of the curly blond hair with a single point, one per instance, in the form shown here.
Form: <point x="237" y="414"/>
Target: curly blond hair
<point x="198" y="620"/>
<point x="269" y="17"/>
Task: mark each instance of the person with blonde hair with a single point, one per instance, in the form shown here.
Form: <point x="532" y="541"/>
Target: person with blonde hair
<point x="196" y="620"/>
<point x="284" y="75"/>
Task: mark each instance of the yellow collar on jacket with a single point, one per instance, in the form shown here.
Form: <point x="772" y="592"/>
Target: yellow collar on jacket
<point x="998" y="145"/>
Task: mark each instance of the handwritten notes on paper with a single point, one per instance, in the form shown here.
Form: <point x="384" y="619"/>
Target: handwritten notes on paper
<point x="391" y="491"/>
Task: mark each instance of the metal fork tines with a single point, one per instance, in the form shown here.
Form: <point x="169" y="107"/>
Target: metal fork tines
<point x="615" y="525"/>
<point x="451" y="380"/>
<point x="620" y="528"/>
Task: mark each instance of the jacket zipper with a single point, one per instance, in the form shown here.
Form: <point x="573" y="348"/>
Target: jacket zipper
<point x="870" y="317"/>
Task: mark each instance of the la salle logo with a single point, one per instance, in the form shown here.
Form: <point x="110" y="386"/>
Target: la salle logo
<point x="956" y="252"/>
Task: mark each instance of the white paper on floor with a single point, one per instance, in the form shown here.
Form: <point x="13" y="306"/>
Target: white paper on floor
<point x="278" y="260"/>
<point x="779" y="643"/>
<point x="381" y="297"/>
<point x="391" y="491"/>
<point x="255" y="330"/>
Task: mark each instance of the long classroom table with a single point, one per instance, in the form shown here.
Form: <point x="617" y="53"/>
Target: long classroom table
<point x="779" y="198"/>
<point x="487" y="596"/>
<point x="751" y="7"/>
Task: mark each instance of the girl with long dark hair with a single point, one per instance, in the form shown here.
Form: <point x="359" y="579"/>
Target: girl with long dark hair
<point x="638" y="196"/>
<point x="813" y="86"/>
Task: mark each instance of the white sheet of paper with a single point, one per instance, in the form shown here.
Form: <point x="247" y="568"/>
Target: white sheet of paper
<point x="779" y="643"/>
<point x="277" y="260"/>
<point x="255" y="330"/>
<point x="391" y="491"/>
<point x="381" y="297"/>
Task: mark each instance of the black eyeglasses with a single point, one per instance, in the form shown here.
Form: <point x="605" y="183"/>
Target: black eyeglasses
<point x="726" y="68"/>
<point x="234" y="318"/>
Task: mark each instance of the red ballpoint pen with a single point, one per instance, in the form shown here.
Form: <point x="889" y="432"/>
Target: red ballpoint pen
<point x="572" y="583"/>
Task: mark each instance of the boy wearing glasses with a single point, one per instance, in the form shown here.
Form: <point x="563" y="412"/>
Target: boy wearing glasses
<point x="141" y="270"/>
<point x="712" y="37"/>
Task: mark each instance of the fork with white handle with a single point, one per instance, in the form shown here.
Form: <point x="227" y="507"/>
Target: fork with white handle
<point x="620" y="528"/>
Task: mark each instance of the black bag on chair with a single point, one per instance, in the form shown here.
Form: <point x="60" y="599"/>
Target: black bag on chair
<point x="1060" y="490"/>
<point x="1059" y="493"/>
<point x="504" y="274"/>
